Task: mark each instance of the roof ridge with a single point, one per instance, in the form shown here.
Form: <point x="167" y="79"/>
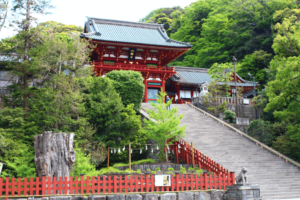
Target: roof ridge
<point x="124" y="23"/>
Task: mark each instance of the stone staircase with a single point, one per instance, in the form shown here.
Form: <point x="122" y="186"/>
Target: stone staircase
<point x="278" y="179"/>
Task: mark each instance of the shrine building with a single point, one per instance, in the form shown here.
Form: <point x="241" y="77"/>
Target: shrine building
<point x="146" y="48"/>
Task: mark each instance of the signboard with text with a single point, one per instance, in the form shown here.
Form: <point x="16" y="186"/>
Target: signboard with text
<point x="162" y="180"/>
<point x="131" y="55"/>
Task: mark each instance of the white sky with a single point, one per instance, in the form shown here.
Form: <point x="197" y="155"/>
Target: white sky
<point x="75" y="11"/>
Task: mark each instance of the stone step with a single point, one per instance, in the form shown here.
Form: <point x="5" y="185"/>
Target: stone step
<point x="278" y="179"/>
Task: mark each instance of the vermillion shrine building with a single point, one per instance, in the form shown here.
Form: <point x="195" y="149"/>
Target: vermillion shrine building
<point x="146" y="48"/>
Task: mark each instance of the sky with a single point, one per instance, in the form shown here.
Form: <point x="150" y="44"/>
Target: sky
<point x="75" y="11"/>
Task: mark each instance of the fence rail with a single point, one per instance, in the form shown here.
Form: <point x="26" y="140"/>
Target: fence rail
<point x="111" y="184"/>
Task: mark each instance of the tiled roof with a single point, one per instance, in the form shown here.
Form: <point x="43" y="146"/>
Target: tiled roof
<point x="129" y="32"/>
<point x="196" y="76"/>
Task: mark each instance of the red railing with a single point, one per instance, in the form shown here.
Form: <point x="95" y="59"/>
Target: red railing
<point x="128" y="66"/>
<point x="204" y="162"/>
<point x="112" y="184"/>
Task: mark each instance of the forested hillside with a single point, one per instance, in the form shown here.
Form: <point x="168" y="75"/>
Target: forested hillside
<point x="264" y="37"/>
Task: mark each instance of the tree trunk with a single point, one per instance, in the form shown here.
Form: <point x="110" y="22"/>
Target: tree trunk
<point x="54" y="154"/>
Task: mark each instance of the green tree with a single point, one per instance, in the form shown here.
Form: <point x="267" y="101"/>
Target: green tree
<point x="255" y="64"/>
<point x="129" y="85"/>
<point x="229" y="115"/>
<point x="164" y="128"/>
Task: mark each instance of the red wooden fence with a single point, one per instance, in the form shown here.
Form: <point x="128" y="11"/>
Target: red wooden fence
<point x="112" y="184"/>
<point x="204" y="162"/>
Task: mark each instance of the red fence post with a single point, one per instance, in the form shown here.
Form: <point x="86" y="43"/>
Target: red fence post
<point x="177" y="181"/>
<point x="115" y="183"/>
<point x="6" y="186"/>
<point x="43" y="184"/>
<point x="205" y="180"/>
<point x="147" y="182"/>
<point x="232" y="175"/>
<point x="81" y="184"/>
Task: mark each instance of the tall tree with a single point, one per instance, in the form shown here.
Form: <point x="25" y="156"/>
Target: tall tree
<point x="3" y="12"/>
<point x="25" y="11"/>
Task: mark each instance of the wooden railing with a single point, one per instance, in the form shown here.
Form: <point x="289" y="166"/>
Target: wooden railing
<point x="111" y="184"/>
<point x="128" y="66"/>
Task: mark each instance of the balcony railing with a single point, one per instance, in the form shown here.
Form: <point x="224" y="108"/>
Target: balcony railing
<point x="128" y="66"/>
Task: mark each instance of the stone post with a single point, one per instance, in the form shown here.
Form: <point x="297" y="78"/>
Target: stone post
<point x="243" y="192"/>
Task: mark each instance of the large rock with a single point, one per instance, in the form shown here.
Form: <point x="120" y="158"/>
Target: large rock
<point x="116" y="197"/>
<point x="217" y="195"/>
<point x="150" y="196"/>
<point x="134" y="197"/>
<point x="168" y="196"/>
<point x="186" y="196"/>
<point x="204" y="196"/>
<point x="97" y="197"/>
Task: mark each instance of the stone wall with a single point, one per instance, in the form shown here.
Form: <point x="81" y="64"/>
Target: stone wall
<point x="154" y="166"/>
<point x="213" y="195"/>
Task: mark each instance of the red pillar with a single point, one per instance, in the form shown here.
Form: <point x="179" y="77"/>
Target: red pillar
<point x="176" y="152"/>
<point x="146" y="91"/>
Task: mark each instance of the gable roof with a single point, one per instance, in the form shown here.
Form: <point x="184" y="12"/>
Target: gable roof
<point x="129" y="32"/>
<point x="197" y="76"/>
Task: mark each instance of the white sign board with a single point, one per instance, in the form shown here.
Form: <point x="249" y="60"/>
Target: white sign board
<point x="162" y="180"/>
<point x="1" y="166"/>
<point x="246" y="101"/>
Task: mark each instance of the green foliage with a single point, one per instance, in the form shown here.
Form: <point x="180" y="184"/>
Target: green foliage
<point x="157" y="169"/>
<point x="166" y="124"/>
<point x="170" y="172"/>
<point x="255" y="64"/>
<point x="153" y="172"/>
<point x="138" y="162"/>
<point x="191" y="168"/>
<point x="82" y="165"/>
<point x="182" y="170"/>
<point x="260" y="130"/>
<point x="171" y="169"/>
<point x="229" y="115"/>
<point x="222" y="107"/>
<point x="129" y="85"/>
<point x="200" y="171"/>
<point x="139" y="171"/>
<point x="148" y="170"/>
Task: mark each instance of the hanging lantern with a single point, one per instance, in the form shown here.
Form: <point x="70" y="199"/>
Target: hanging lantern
<point x="115" y="151"/>
<point x="119" y="151"/>
<point x="146" y="147"/>
<point x="178" y="146"/>
<point x="111" y="151"/>
<point x="157" y="147"/>
<point x="152" y="151"/>
<point x="140" y="151"/>
<point x="124" y="148"/>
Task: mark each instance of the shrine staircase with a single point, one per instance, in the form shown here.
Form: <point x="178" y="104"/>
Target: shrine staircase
<point x="277" y="176"/>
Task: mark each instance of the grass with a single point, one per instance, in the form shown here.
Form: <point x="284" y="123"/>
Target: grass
<point x="104" y="171"/>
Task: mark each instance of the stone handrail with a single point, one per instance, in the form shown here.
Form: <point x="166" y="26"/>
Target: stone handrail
<point x="287" y="159"/>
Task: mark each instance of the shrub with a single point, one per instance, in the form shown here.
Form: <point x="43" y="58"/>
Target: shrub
<point x="157" y="169"/>
<point x="139" y="171"/>
<point x="182" y="170"/>
<point x="191" y="168"/>
<point x="170" y="172"/>
<point x="153" y="172"/>
<point x="171" y="169"/>
<point x="200" y="171"/>
<point x="229" y="115"/>
<point x="148" y="170"/>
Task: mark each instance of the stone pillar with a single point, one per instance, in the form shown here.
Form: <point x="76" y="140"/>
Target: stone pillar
<point x="243" y="192"/>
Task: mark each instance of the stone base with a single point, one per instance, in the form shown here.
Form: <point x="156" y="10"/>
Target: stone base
<point x="243" y="192"/>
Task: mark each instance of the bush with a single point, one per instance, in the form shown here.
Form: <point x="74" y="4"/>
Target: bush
<point x="170" y="172"/>
<point x="139" y="171"/>
<point x="191" y="168"/>
<point x="153" y="172"/>
<point x="182" y="170"/>
<point x="130" y="86"/>
<point x="200" y="171"/>
<point x="229" y="115"/>
<point x="148" y="170"/>
<point x="157" y="169"/>
<point x="171" y="169"/>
